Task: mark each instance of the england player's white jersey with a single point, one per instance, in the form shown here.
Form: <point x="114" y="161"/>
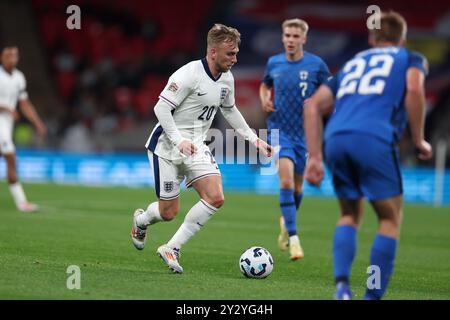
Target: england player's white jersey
<point x="12" y="88"/>
<point x="195" y="97"/>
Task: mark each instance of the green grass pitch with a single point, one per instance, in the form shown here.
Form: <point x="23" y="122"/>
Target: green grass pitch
<point x="90" y="227"/>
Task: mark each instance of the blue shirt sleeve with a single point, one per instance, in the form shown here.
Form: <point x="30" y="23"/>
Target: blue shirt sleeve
<point x="332" y="83"/>
<point x="268" y="80"/>
<point x="324" y="73"/>
<point x="418" y="61"/>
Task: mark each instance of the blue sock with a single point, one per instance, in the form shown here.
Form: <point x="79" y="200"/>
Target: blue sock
<point x="288" y="210"/>
<point x="382" y="255"/>
<point x="298" y="199"/>
<point x="344" y="249"/>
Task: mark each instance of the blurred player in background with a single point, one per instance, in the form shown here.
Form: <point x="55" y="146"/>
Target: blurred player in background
<point x="294" y="75"/>
<point x="176" y="148"/>
<point x="375" y="94"/>
<point x="13" y="90"/>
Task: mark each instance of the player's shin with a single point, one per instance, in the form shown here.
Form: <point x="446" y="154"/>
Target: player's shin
<point x="344" y="249"/>
<point x="17" y="193"/>
<point x="298" y="199"/>
<point x="195" y="219"/>
<point x="288" y="210"/>
<point x="382" y="256"/>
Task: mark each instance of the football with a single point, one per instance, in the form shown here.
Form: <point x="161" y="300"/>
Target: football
<point x="256" y="262"/>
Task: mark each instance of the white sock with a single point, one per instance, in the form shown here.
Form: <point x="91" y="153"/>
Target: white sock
<point x="294" y="239"/>
<point x="17" y="193"/>
<point x="195" y="219"/>
<point x="150" y="216"/>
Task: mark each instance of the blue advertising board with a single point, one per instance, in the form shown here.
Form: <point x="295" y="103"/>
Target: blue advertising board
<point x="133" y="170"/>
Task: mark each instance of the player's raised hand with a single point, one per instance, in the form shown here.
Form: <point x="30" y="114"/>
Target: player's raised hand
<point x="267" y="106"/>
<point x="314" y="171"/>
<point x="424" y="150"/>
<point x="187" y="148"/>
<point x="264" y="148"/>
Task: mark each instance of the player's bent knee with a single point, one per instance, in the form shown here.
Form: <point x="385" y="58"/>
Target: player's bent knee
<point x="219" y="202"/>
<point x="168" y="214"/>
<point x="216" y="200"/>
<point x="168" y="210"/>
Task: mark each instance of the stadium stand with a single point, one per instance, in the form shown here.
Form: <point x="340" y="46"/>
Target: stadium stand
<point x="116" y="65"/>
<point x="105" y="78"/>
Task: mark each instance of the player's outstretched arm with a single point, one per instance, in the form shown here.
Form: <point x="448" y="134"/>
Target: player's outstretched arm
<point x="237" y="121"/>
<point x="30" y="113"/>
<point x="163" y="113"/>
<point x="319" y="104"/>
<point x="415" y="106"/>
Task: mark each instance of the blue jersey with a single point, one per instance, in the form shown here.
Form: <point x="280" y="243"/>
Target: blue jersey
<point x="293" y="83"/>
<point x="370" y="91"/>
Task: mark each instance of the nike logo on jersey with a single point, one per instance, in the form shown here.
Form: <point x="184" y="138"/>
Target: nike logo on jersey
<point x="201" y="94"/>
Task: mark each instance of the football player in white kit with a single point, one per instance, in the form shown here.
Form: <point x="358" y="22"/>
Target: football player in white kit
<point x="13" y="90"/>
<point x="176" y="148"/>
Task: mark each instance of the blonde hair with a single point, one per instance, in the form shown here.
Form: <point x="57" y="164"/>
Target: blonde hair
<point x="220" y="33"/>
<point x="298" y="23"/>
<point x="392" y="28"/>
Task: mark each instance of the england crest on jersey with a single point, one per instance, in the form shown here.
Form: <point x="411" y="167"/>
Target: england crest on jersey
<point x="303" y="75"/>
<point x="168" y="186"/>
<point x="223" y="94"/>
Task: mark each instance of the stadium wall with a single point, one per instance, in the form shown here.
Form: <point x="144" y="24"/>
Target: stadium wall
<point x="133" y="170"/>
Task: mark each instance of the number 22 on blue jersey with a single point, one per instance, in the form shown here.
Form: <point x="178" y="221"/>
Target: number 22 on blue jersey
<point x="355" y="80"/>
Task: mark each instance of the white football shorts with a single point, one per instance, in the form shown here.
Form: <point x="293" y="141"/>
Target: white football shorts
<point x="169" y="175"/>
<point x="6" y="128"/>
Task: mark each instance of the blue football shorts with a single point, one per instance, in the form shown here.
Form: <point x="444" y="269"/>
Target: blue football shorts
<point x="297" y="153"/>
<point x="363" y="165"/>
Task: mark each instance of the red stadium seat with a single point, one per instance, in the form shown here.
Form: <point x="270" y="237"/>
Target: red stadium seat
<point x="123" y="98"/>
<point x="144" y="101"/>
<point x="66" y="83"/>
